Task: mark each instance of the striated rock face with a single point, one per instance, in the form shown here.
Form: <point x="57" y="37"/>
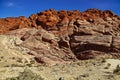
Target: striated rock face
<point x="59" y="36"/>
<point x="44" y="46"/>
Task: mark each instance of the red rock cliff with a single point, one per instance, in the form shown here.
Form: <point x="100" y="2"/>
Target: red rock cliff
<point x="69" y="35"/>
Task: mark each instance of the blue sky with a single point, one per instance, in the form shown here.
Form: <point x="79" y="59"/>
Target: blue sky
<point x="15" y="8"/>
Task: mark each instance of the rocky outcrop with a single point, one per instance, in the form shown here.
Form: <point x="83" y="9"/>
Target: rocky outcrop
<point x="13" y="54"/>
<point x="46" y="47"/>
<point x="59" y="36"/>
<point x="98" y="43"/>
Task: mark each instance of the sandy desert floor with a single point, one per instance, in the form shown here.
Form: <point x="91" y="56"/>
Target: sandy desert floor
<point x="94" y="69"/>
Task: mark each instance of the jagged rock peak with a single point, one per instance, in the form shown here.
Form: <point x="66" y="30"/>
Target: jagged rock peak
<point x="51" y="18"/>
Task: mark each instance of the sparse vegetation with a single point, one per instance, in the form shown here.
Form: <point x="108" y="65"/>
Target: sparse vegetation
<point x="117" y="70"/>
<point x="29" y="64"/>
<point x="79" y="78"/>
<point x="19" y="60"/>
<point x="61" y="78"/>
<point x="103" y="60"/>
<point x="16" y="65"/>
<point x="1" y="57"/>
<point x="32" y="61"/>
<point x="7" y="66"/>
<point x="78" y="63"/>
<point x="81" y="70"/>
<point x="13" y="58"/>
<point x="27" y="75"/>
<point x="108" y="66"/>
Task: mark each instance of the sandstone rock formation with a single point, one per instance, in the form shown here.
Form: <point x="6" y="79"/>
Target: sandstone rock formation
<point x="59" y="36"/>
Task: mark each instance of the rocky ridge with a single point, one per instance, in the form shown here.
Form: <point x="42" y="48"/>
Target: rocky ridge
<point x="62" y="36"/>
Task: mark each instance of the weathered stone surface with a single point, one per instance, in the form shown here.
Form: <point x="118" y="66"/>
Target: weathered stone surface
<point x="91" y="54"/>
<point x="99" y="28"/>
<point x="96" y="43"/>
<point x="104" y="40"/>
<point x="47" y="48"/>
<point x="85" y="30"/>
<point x="116" y="43"/>
<point x="12" y="53"/>
<point x="59" y="36"/>
<point x="24" y="32"/>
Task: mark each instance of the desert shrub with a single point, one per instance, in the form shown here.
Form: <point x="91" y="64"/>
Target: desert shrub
<point x="16" y="65"/>
<point x="13" y="58"/>
<point x="29" y="65"/>
<point x="19" y="60"/>
<point x="1" y="57"/>
<point x="27" y="75"/>
<point x="79" y="78"/>
<point x="103" y="60"/>
<point x="117" y="70"/>
<point x="108" y="66"/>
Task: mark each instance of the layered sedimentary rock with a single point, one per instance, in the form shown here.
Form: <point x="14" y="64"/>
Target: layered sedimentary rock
<point x="60" y="36"/>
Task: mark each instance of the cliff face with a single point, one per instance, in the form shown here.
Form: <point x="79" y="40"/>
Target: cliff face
<point x="59" y="36"/>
